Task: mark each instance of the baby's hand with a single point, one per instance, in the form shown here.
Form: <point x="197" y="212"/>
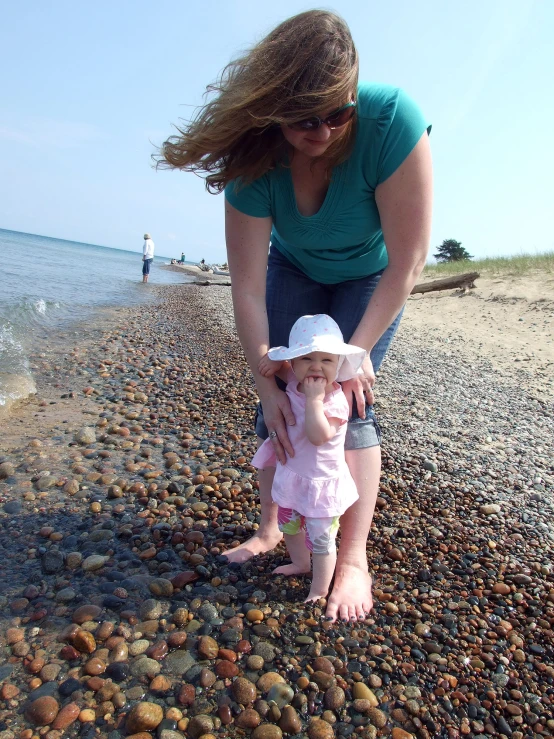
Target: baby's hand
<point x="314" y="388"/>
<point x="268" y="367"/>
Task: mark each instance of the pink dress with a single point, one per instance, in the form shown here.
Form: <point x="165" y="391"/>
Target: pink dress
<point x="316" y="482"/>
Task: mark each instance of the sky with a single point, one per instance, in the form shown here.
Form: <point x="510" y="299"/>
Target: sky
<point x="88" y="90"/>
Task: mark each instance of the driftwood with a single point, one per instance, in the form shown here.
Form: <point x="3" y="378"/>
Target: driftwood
<point x="447" y="283"/>
<point x="205" y="283"/>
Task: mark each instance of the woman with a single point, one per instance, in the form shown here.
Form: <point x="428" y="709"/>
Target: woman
<point x="329" y="171"/>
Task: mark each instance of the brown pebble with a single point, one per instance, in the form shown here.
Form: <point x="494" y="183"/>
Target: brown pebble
<point x="322" y="664"/>
<point x="94" y="666"/>
<point x="290" y="721"/>
<point x="248" y="719"/>
<point x="207" y="647"/>
<point x="104" y="631"/>
<point x="200" y="725"/>
<point x="43" y="711"/>
<point x="87" y="715"/>
<point x="88" y="612"/>
<point x="267" y="731"/>
<point x="66" y="716"/>
<point x="176" y="639"/>
<point x="160" y="684"/>
<point x="226" y="669"/>
<point x="254" y="615"/>
<point x="334" y="698"/>
<point x="144" y="716"/>
<point x="84" y="642"/>
<point x="323" y="680"/>
<point x="69" y="653"/>
<point x="157" y="651"/>
<point x="319" y="729"/>
<point x="15" y="635"/>
<point x="224" y="713"/>
<point x="8" y="691"/>
<point x="266" y="681"/>
<point x="398" y="733"/>
<point x="244" y="691"/>
<point x="186" y="695"/>
<point x="207" y="678"/>
<point x="377" y="717"/>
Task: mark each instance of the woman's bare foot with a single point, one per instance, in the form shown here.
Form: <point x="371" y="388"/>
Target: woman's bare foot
<point x="292" y="569"/>
<point x="258" y="544"/>
<point x="351" y="598"/>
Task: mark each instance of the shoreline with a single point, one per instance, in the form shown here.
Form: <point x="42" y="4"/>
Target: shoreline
<point x="123" y="495"/>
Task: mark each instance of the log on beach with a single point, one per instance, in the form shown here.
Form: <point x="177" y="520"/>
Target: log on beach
<point x="447" y="283"/>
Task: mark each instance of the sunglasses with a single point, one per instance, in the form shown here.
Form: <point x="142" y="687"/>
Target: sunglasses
<point x="335" y="120"/>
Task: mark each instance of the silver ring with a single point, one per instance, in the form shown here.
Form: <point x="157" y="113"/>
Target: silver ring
<point x="273" y="434"/>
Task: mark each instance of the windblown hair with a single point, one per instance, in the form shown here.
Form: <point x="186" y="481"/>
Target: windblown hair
<point x="306" y="66"/>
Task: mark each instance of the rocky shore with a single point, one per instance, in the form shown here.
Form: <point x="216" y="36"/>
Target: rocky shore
<point x="124" y="482"/>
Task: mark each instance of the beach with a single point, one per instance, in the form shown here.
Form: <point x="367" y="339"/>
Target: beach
<point x="125" y="479"/>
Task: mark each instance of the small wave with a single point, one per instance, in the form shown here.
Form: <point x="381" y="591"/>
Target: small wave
<point x="14" y="388"/>
<point x="40" y="306"/>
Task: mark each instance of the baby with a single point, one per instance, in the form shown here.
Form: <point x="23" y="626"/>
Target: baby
<point x="315" y="487"/>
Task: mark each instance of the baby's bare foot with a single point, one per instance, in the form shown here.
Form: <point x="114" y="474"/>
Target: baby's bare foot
<point x="315" y="596"/>
<point x="258" y="544"/>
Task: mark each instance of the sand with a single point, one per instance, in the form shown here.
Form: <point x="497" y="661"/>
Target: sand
<point x="507" y="319"/>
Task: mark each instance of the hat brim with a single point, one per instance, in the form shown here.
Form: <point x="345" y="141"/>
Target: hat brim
<point x="353" y="355"/>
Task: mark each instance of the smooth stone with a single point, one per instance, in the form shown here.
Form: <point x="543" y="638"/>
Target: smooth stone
<point x="144" y="716"/>
<point x="282" y="694"/>
<point x="42" y="711"/>
<point x="145" y="666"/>
<point x="268" y="731"/>
<point x="94" y="562"/>
<point x="178" y="662"/>
<point x="244" y="691"/>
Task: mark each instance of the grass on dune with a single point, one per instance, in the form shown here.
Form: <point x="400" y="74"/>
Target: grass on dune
<point x="518" y="265"/>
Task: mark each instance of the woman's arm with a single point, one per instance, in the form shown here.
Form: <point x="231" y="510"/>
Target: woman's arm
<point x="247" y="240"/>
<point x="404" y="201"/>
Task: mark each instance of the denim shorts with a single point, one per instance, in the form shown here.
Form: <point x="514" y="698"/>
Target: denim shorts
<point x="146" y="266"/>
<point x="290" y="294"/>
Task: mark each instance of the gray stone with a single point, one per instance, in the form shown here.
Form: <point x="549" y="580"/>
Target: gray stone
<point x="178" y="662"/>
<point x="86" y="435"/>
<point x="52" y="562"/>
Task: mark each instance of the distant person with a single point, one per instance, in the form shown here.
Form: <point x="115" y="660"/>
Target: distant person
<point x="182" y="260"/>
<point x="147" y="256"/>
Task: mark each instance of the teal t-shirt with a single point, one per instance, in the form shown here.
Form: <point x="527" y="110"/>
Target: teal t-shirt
<point x="343" y="240"/>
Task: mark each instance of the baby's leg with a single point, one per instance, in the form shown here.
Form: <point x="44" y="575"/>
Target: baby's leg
<point x="322" y="534"/>
<point x="291" y="524"/>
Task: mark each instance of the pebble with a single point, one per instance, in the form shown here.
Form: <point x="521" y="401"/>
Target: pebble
<point x="43" y="711"/>
<point x="144" y="716"/>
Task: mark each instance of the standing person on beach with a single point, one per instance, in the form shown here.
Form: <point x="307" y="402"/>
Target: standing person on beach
<point x="147" y="256"/>
<point x="336" y="174"/>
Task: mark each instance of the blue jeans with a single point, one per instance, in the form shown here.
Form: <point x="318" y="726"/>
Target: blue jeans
<point x="146" y="266"/>
<point x="290" y="294"/>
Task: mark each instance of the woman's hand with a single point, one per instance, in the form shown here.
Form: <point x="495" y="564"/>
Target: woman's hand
<point x="361" y="387"/>
<point x="277" y="416"/>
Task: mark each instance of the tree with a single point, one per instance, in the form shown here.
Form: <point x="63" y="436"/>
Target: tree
<point x="451" y="251"/>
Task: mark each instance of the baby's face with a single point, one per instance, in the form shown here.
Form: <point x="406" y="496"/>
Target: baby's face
<point x="316" y="364"/>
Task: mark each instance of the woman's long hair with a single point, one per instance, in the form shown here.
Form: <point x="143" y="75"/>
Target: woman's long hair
<point x="306" y="66"/>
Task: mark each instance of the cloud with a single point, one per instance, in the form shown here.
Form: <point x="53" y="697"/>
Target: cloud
<point x="46" y="133"/>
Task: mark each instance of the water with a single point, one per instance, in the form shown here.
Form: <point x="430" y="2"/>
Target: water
<point x="51" y="283"/>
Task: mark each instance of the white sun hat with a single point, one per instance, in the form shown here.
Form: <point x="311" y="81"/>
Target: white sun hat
<point x="320" y="333"/>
